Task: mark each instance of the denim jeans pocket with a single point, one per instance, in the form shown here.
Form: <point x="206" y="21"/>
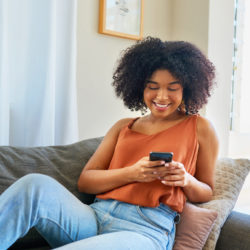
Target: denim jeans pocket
<point x="157" y="218"/>
<point x="103" y="210"/>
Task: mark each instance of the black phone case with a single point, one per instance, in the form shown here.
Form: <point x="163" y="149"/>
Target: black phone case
<point x="165" y="156"/>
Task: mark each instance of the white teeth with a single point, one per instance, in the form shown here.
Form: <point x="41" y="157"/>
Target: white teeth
<point x="161" y="105"/>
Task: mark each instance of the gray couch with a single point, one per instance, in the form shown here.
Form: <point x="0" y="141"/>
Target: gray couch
<point x="64" y="163"/>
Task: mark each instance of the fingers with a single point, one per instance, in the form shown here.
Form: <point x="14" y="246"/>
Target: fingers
<point x="176" y="164"/>
<point x="170" y="168"/>
<point x="144" y="170"/>
<point x="175" y="175"/>
<point x="173" y="183"/>
<point x="171" y="174"/>
<point x="174" y="180"/>
<point x="148" y="176"/>
<point x="150" y="164"/>
<point x="156" y="163"/>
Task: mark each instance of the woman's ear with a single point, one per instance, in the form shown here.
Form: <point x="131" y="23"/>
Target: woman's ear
<point x="182" y="107"/>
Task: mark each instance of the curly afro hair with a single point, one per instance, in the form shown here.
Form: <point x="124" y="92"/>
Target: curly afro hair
<point x="182" y="59"/>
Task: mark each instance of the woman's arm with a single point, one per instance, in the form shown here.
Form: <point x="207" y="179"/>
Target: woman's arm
<point x="200" y="187"/>
<point x="96" y="178"/>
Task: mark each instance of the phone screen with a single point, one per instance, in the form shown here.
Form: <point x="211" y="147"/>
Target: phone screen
<point x="165" y="156"/>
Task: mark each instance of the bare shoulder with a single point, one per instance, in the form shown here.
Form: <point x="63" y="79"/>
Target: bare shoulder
<point x="123" y="122"/>
<point x="205" y="129"/>
<point x="103" y="155"/>
<point x="117" y="127"/>
<point x="204" y="126"/>
<point x="120" y="124"/>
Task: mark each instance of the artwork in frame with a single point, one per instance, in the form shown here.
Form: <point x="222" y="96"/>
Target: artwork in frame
<point x="122" y="18"/>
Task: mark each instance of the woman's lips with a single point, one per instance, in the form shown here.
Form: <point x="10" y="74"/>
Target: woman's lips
<point x="160" y="106"/>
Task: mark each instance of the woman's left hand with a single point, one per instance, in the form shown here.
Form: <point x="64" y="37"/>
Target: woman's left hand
<point x="175" y="175"/>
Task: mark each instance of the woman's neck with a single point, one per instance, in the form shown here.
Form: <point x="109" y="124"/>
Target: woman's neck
<point x="173" y="117"/>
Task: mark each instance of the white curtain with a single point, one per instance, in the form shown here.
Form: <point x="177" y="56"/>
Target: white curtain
<point x="38" y="72"/>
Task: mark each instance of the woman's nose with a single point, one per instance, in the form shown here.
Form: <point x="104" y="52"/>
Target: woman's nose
<point x="162" y="94"/>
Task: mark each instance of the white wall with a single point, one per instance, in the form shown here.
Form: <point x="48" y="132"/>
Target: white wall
<point x="220" y="49"/>
<point x="206" y="23"/>
<point x="209" y="25"/>
<point x="97" y="105"/>
<point x="190" y="22"/>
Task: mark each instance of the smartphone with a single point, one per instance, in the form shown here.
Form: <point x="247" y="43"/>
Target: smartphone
<point x="165" y="156"/>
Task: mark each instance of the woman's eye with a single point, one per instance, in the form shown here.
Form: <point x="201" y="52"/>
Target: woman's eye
<point x="153" y="88"/>
<point x="173" y="89"/>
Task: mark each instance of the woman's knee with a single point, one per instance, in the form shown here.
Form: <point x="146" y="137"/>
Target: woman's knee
<point x="34" y="181"/>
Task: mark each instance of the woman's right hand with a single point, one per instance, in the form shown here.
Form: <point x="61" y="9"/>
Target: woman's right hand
<point x="144" y="170"/>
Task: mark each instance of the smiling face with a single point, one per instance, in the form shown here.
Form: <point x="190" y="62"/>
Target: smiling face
<point x="163" y="94"/>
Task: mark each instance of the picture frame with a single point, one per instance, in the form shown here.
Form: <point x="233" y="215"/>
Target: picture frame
<point x="121" y="18"/>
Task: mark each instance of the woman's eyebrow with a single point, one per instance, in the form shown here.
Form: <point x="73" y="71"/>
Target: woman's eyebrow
<point x="150" y="81"/>
<point x="174" y="82"/>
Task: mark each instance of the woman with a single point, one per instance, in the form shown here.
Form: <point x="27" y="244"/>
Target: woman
<point x="138" y="201"/>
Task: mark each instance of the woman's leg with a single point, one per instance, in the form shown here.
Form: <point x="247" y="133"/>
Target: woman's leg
<point x="123" y="240"/>
<point x="40" y="201"/>
<point x="125" y="226"/>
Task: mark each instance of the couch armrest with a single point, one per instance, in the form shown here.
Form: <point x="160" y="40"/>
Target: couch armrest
<point x="235" y="233"/>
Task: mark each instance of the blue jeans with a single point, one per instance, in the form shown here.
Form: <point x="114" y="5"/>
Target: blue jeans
<point x="39" y="201"/>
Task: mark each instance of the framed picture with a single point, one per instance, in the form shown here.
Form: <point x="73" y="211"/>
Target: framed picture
<point x="122" y="18"/>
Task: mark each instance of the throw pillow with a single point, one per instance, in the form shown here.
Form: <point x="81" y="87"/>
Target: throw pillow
<point x="194" y="227"/>
<point x="230" y="175"/>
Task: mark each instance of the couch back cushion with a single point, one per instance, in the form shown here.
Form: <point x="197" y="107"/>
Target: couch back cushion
<point x="64" y="163"/>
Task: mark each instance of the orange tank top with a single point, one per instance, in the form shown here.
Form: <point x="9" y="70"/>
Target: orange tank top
<point x="181" y="139"/>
